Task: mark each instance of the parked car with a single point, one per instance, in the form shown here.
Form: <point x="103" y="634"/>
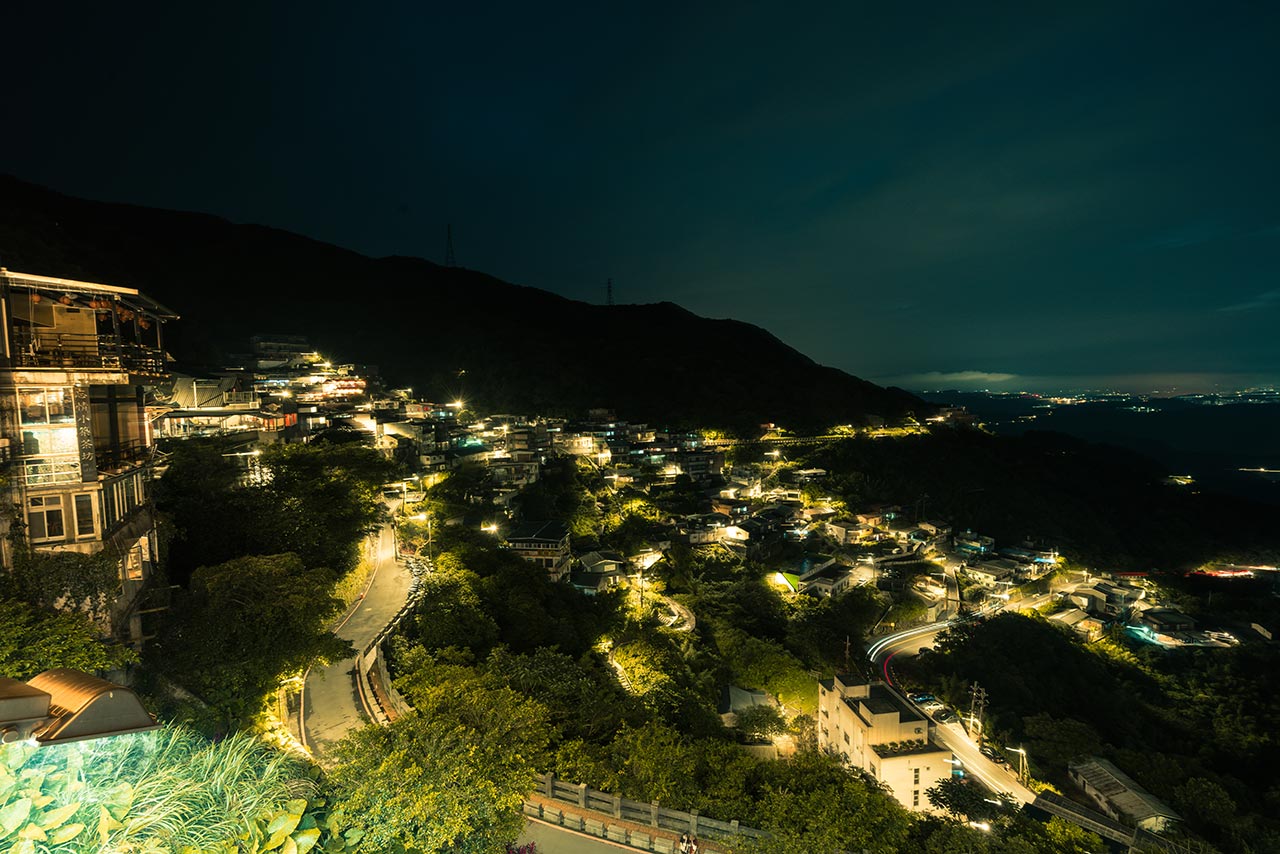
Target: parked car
<point x="996" y="756"/>
<point x="945" y="716"/>
<point x="921" y="698"/>
<point x="933" y="705"/>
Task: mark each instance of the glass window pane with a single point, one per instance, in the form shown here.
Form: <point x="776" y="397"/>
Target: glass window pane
<point x="53" y="521"/>
<point x="84" y="515"/>
<point x="58" y="403"/>
<point x="31" y="406"/>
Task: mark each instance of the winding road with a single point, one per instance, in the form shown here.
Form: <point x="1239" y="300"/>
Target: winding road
<point x="331" y="702"/>
<point x="998" y="778"/>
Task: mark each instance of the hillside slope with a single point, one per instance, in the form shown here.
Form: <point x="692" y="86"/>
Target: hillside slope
<point x="522" y="349"/>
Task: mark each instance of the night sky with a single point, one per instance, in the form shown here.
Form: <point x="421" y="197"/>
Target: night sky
<point x="1010" y="196"/>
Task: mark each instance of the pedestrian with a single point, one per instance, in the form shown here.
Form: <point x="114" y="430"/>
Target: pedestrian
<point x="693" y="845"/>
<point x="684" y="843"/>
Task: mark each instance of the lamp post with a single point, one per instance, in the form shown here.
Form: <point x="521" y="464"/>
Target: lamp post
<point x="1023" y="774"/>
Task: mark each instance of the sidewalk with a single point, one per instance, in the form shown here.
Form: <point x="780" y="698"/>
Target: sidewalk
<point x="331" y="706"/>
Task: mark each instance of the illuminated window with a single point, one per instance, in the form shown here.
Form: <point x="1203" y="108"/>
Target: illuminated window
<point x="44" y="518"/>
<point x="133" y="563"/>
<point x="50" y="445"/>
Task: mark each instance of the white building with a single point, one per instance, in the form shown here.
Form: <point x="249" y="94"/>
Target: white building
<point x="872" y="728"/>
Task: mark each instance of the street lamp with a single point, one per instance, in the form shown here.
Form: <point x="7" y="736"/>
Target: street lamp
<point x="1023" y="774"/>
<point x="63" y="705"/>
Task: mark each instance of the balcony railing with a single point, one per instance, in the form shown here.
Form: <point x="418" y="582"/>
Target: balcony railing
<point x="80" y="350"/>
<point x="122" y="456"/>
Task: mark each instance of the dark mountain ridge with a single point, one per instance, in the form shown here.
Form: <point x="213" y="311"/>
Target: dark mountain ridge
<point x="444" y="331"/>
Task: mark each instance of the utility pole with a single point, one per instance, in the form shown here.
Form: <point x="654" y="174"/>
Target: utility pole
<point x="846" y="653"/>
<point x="449" y="260"/>
<point x="977" y="706"/>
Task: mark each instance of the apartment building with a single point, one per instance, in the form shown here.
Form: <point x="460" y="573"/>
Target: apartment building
<point x="545" y="544"/>
<point x="75" y="438"/>
<point x="871" y="728"/>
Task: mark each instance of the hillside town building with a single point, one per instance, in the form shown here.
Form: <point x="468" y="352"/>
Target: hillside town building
<point x="77" y="360"/>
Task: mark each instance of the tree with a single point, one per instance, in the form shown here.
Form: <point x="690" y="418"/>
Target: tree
<point x="761" y="722"/>
<point x="1205" y="803"/>
<point x="245" y="624"/>
<point x="813" y="806"/>
<point x="452" y="775"/>
<point x="317" y="501"/>
<point x="33" y="640"/>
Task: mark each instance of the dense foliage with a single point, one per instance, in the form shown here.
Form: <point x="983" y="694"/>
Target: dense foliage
<point x="165" y="792"/>
<point x="1197" y="727"/>
<point x="244" y="625"/>
<point x="448" y="778"/>
<point x="314" y="500"/>
<point x="259" y="560"/>
<point x="33" y="640"/>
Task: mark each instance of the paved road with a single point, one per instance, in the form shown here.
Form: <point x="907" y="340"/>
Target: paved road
<point x="330" y="705"/>
<point x="995" y="777"/>
<point x="551" y="839"/>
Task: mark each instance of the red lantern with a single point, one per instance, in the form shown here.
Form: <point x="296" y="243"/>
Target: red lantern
<point x="65" y="299"/>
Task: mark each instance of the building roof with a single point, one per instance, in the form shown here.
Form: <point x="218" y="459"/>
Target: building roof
<point x="595" y="561"/>
<point x="1166" y="616"/>
<point x="1070" y="616"/>
<point x="883" y="701"/>
<point x="908" y="748"/>
<point x="546" y="532"/>
<point x="1120" y="790"/>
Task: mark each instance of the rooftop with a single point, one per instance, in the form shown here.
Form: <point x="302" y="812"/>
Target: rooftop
<point x="1118" y="788"/>
<point x="908" y="748"/>
<point x="548" y="531"/>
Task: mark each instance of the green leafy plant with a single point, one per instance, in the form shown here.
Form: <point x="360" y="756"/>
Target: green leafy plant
<point x="167" y="792"/>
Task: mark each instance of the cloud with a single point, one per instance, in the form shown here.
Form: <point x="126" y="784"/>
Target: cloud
<point x="965" y="377"/>
<point x="939" y="379"/>
<point x="1262" y="300"/>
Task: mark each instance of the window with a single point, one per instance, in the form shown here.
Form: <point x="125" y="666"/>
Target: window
<point x="46" y="406"/>
<point x="49" y="439"/>
<point x="84" y="515"/>
<point x="133" y="563"/>
<point x="846" y="738"/>
<point x="44" y="518"/>
<point x="915" y="797"/>
<point x="915" y="774"/>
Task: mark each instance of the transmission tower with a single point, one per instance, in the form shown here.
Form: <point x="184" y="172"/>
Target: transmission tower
<point x="449" y="260"/>
<point x="608" y="292"/>
<point x="977" y="706"/>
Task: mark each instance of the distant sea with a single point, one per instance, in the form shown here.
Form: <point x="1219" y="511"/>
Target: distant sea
<point x="1212" y="438"/>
